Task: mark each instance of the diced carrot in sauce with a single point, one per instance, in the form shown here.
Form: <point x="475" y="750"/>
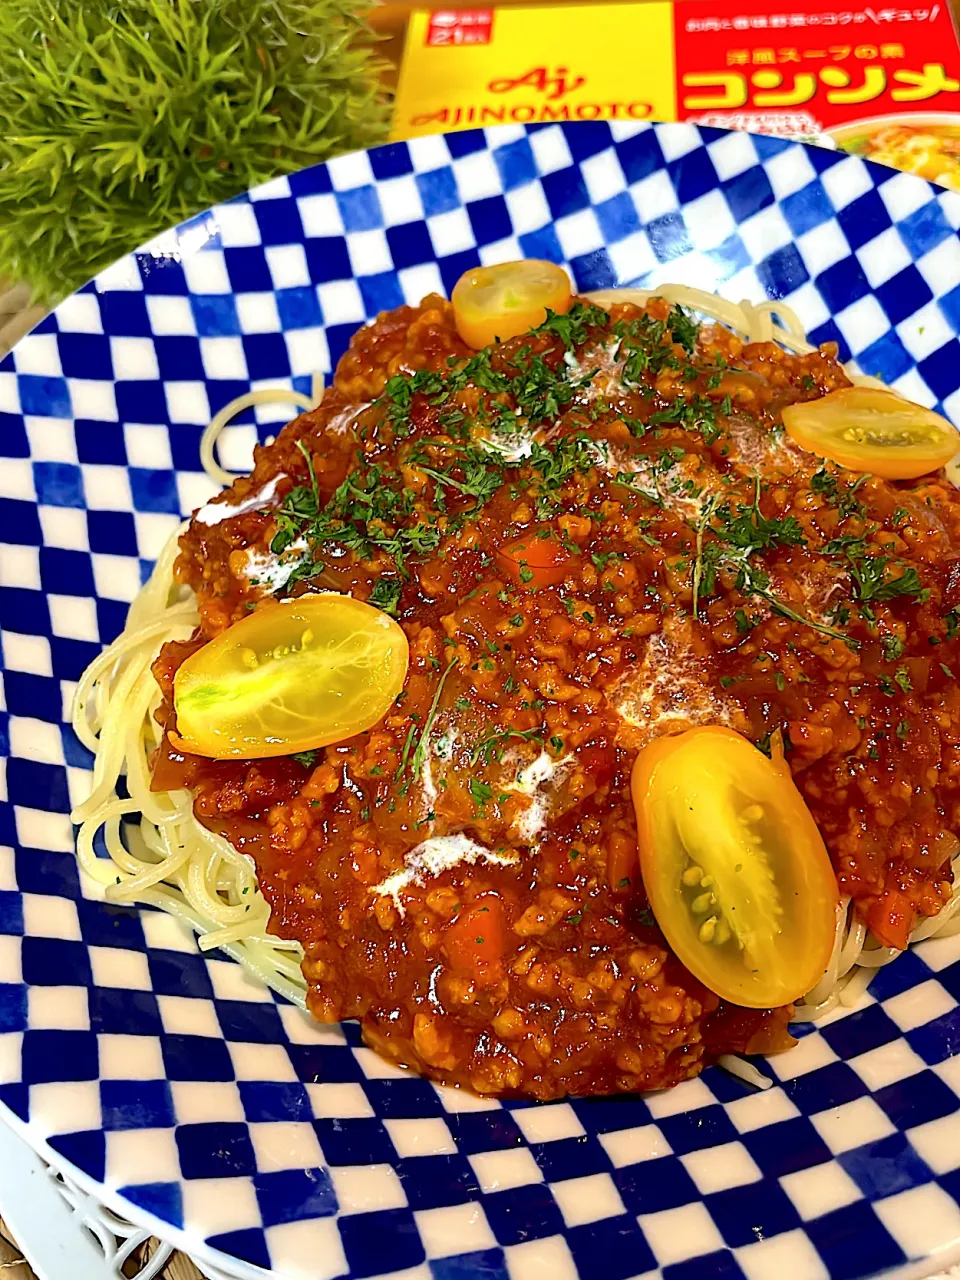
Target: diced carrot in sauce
<point x="623" y="867"/>
<point x="892" y="918"/>
<point x="473" y="943"/>
<point x="535" y="561"/>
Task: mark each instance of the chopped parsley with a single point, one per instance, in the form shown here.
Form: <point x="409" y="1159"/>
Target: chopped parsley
<point x="492" y="747"/>
<point x="645" y="344"/>
<point x="602" y="558"/>
<point x="481" y="791"/>
<point x="699" y="562"/>
<point x="365" y="514"/>
<point x="737" y="538"/>
<point x="474" y="473"/>
<point x="871" y="581"/>
<point x="540" y="391"/>
<point x="573" y="328"/>
<point x="828" y="486"/>
<point x="419" y="753"/>
<point x="683" y="329"/>
<point x="751" y="530"/>
<point x="569" y="455"/>
<point x="696" y="414"/>
<point x="400" y="390"/>
<point x="386" y="595"/>
<point x="902" y="679"/>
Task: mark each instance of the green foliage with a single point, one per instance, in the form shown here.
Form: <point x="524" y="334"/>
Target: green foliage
<point x="123" y="118"/>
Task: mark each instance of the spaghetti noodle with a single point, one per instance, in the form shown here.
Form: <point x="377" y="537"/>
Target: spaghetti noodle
<point x="249" y="400"/>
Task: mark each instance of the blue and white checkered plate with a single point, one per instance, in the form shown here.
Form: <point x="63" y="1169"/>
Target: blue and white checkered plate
<point x="191" y="1100"/>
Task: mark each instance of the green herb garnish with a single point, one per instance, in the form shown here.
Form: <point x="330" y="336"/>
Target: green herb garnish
<point x="481" y="791"/>
<point x="419" y="754"/>
<point x="751" y="530"/>
<point x="840" y="496"/>
<point x="683" y="329"/>
<point x="902" y="679"/>
<point x="573" y="327"/>
<point x="386" y="595"/>
<point x="870" y="580"/>
<point x="492" y="747"/>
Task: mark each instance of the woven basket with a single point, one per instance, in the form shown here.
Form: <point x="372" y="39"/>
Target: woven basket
<point x="17" y="317"/>
<point x="13" y="1266"/>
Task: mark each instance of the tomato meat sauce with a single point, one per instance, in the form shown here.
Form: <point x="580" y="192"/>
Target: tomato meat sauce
<point x="592" y="535"/>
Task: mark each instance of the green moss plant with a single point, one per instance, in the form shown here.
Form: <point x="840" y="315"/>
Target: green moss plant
<point x="119" y="119"/>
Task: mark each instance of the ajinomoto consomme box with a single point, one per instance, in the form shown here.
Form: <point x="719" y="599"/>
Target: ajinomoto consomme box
<point x="881" y="82"/>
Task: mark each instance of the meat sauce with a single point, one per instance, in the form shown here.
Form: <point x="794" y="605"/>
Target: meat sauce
<point x="540" y="520"/>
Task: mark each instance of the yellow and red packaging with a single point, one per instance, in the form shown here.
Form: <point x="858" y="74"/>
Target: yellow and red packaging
<point x="881" y="81"/>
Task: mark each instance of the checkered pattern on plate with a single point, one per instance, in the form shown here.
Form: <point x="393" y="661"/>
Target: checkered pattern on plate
<point x="195" y="1100"/>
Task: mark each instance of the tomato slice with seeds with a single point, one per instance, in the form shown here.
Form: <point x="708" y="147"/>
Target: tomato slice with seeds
<point x="534" y="561"/>
<point x="735" y="870"/>
<point x="290" y="677"/>
<point x="492" y="304"/>
<point x="874" y="430"/>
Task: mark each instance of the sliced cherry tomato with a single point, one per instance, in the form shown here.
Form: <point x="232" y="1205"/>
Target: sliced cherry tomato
<point x="290" y="677"/>
<point x="874" y="430"/>
<point x="534" y="561"/>
<point x="492" y="304"/>
<point x="734" y="867"/>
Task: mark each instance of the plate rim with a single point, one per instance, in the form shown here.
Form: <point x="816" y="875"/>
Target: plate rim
<point x="919" y="1269"/>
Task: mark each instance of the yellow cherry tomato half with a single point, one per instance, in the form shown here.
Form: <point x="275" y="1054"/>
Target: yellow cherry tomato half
<point x="497" y="303"/>
<point x="871" y="429"/>
<point x="292" y="676"/>
<point x="734" y="867"/>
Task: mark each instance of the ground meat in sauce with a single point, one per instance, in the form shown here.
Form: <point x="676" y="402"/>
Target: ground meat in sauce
<point x="508" y="963"/>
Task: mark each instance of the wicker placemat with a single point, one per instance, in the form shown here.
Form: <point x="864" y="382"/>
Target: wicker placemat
<point x="13" y="1266"/>
<point x="17" y="317"/>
